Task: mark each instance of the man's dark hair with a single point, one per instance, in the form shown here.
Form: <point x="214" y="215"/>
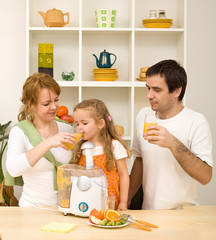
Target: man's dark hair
<point x="174" y="74"/>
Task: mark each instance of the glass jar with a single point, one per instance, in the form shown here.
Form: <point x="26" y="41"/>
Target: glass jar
<point x="152" y="14"/>
<point x="162" y="14"/>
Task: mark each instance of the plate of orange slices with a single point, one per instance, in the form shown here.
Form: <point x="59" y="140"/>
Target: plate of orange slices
<point x="106" y="219"/>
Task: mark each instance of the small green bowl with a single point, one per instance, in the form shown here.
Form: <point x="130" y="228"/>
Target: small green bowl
<point x="68" y="76"/>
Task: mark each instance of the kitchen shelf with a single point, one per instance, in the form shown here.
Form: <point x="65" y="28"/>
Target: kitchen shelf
<point x="172" y="30"/>
<point x="134" y="45"/>
<point x="53" y="29"/>
<point x="93" y="84"/>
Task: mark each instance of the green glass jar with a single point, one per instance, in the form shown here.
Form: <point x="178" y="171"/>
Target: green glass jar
<point x="68" y="76"/>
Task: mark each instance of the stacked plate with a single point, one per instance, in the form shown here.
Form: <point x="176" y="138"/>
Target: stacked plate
<point x="105" y="74"/>
<point x="157" y="23"/>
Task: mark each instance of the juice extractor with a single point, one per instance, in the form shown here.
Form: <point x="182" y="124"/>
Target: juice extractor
<point x="82" y="188"/>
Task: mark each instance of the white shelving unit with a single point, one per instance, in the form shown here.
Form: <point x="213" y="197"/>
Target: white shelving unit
<point x="134" y="45"/>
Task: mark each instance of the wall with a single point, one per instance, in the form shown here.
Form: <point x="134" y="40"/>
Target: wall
<point x="12" y="61"/>
<point x="200" y="67"/>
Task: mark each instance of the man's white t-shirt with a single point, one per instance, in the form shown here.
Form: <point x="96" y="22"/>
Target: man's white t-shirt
<point x="165" y="184"/>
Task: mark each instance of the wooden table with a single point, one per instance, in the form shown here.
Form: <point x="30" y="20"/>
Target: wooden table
<point x="190" y="223"/>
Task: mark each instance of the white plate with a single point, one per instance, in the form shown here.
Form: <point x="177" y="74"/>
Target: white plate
<point x="96" y="225"/>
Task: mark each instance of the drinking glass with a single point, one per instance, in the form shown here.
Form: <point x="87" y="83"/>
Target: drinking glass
<point x="111" y="202"/>
<point x="78" y="136"/>
<point x="150" y="119"/>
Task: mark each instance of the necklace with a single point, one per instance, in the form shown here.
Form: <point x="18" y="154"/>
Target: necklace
<point x="45" y="137"/>
<point x="49" y="133"/>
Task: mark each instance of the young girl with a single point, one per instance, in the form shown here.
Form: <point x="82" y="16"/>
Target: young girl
<point x="96" y="125"/>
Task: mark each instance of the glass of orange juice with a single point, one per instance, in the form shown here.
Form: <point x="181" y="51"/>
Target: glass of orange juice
<point x="78" y="136"/>
<point x="71" y="146"/>
<point x="150" y="119"/>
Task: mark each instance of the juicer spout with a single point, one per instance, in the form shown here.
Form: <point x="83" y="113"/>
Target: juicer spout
<point x="88" y="147"/>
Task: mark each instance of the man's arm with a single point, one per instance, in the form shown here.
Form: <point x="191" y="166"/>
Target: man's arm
<point x="191" y="164"/>
<point x="135" y="178"/>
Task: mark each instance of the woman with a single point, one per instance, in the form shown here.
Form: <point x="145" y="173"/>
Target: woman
<point x="36" y="144"/>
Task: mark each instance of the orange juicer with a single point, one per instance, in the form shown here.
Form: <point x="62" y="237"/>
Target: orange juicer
<point x="82" y="188"/>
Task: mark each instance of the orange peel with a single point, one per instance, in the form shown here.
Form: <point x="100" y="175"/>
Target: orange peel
<point x="112" y="215"/>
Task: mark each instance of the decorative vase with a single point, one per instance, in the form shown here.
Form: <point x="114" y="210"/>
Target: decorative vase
<point x="45" y="58"/>
<point x="7" y="197"/>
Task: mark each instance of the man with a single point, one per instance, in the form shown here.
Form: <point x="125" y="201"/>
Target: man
<point x="177" y="152"/>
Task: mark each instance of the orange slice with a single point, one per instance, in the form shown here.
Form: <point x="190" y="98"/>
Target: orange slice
<point x="94" y="212"/>
<point x="112" y="215"/>
<point x="105" y="212"/>
<point x="101" y="214"/>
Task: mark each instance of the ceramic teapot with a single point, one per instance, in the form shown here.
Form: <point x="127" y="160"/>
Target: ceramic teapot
<point x="104" y="59"/>
<point x="54" y="18"/>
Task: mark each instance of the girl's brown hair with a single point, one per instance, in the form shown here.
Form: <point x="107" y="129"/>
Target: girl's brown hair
<point x="31" y="90"/>
<point x="99" y="111"/>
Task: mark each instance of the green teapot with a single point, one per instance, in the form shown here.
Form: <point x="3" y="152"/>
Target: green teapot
<point x="104" y="60"/>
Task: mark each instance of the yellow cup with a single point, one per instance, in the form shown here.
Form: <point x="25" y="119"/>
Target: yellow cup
<point x="150" y="119"/>
<point x="147" y="125"/>
<point x="71" y="146"/>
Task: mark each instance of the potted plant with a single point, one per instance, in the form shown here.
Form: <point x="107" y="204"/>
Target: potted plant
<point x="7" y="197"/>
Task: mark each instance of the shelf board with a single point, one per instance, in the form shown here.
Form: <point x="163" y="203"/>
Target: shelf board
<point x="94" y="83"/>
<point x="139" y="83"/>
<point x="68" y="83"/>
<point x="101" y="84"/>
<point x="126" y="138"/>
<point x="87" y="29"/>
<point x="53" y="28"/>
<point x="106" y="83"/>
<point x="159" y="29"/>
<point x="93" y="29"/>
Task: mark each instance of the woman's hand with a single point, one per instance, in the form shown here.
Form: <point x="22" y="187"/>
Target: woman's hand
<point x="59" y="139"/>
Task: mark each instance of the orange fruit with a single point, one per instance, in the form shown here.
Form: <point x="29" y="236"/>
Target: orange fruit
<point x="112" y="215"/>
<point x="101" y="214"/>
<point x="94" y="212"/>
<point x="62" y="110"/>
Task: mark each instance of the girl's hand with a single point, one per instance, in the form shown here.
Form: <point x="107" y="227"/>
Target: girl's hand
<point x="122" y="206"/>
<point x="124" y="183"/>
<point x="59" y="139"/>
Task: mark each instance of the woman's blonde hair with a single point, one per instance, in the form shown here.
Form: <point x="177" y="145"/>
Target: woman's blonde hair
<point x="31" y="90"/>
<point x="98" y="111"/>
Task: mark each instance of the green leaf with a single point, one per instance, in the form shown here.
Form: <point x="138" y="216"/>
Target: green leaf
<point x="3" y="145"/>
<point x="4" y="127"/>
<point x="4" y="137"/>
<point x="6" y="197"/>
